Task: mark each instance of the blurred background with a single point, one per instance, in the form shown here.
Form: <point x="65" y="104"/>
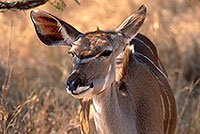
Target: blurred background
<point x="33" y="98"/>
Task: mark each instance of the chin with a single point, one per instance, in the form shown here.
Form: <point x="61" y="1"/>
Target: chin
<point x="81" y="92"/>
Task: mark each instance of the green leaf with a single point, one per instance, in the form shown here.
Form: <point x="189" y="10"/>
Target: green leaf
<point x="77" y="2"/>
<point x="59" y="4"/>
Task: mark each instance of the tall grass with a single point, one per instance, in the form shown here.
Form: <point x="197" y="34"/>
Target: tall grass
<point x="32" y="77"/>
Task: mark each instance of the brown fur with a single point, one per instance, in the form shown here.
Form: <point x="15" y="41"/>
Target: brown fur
<point x="165" y="89"/>
<point x="154" y="57"/>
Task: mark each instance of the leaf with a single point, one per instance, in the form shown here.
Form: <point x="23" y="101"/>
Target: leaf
<point x="60" y="5"/>
<point x="77" y="2"/>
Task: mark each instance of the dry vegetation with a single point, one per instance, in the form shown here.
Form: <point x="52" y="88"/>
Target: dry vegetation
<point x="32" y="77"/>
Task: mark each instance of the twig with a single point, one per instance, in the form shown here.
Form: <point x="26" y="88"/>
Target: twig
<point x="186" y="100"/>
<point x="7" y="79"/>
<point x="22" y="5"/>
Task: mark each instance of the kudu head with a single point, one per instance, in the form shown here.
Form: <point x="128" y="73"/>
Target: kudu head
<point x="93" y="53"/>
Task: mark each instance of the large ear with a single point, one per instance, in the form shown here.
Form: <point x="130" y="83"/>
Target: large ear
<point x="53" y="31"/>
<point x="131" y="25"/>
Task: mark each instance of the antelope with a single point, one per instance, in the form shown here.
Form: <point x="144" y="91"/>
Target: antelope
<point x="119" y="70"/>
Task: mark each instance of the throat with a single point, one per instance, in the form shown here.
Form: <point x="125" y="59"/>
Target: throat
<point x="111" y="114"/>
<point x="104" y="104"/>
<point x="104" y="98"/>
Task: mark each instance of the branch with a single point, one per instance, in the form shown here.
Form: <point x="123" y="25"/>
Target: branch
<point x="22" y="5"/>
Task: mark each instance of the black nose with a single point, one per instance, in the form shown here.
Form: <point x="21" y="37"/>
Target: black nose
<point x="73" y="84"/>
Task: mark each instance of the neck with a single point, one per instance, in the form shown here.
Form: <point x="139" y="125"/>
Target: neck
<point x="103" y="108"/>
<point x="102" y="99"/>
<point x="108" y="116"/>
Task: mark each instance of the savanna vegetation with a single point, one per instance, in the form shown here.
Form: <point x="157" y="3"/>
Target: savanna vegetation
<point x="33" y="98"/>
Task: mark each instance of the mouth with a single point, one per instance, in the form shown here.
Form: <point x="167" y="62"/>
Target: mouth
<point x="81" y="91"/>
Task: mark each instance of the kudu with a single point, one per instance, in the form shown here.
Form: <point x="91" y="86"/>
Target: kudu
<point x="125" y="79"/>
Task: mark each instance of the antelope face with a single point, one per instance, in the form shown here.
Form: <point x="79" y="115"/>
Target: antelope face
<point x="93" y="53"/>
<point x="93" y="63"/>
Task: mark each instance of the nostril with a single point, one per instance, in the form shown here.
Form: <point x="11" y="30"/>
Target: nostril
<point x="72" y="85"/>
<point x="76" y="83"/>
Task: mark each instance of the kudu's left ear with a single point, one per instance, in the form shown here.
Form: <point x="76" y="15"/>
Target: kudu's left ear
<point x="131" y="25"/>
<point x="53" y="31"/>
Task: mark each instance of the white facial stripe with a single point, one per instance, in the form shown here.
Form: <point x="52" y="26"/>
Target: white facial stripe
<point x="107" y="78"/>
<point x="86" y="60"/>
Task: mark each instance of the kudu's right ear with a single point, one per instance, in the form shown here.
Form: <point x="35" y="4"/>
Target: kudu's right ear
<point x="53" y="31"/>
<point x="132" y="24"/>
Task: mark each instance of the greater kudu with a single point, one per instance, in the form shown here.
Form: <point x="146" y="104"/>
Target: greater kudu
<point x="131" y="97"/>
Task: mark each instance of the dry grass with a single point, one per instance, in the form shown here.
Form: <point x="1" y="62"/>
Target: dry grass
<point x="32" y="77"/>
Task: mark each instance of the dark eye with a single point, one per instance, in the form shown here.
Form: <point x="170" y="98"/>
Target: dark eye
<point x="106" y="53"/>
<point x="72" y="54"/>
